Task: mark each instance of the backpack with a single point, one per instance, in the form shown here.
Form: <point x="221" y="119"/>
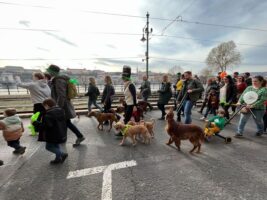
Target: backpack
<point x="71" y="90"/>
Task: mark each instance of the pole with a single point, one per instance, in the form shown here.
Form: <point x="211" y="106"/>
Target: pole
<point x="147" y="41"/>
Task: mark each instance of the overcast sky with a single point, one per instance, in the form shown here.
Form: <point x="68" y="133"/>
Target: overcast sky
<point x="82" y="39"/>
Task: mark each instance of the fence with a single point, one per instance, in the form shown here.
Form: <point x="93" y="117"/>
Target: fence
<point x="14" y="90"/>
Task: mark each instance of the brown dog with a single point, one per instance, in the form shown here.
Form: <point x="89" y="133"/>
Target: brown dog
<point x="132" y="132"/>
<point x="102" y="117"/>
<point x="149" y="126"/>
<point x="179" y="131"/>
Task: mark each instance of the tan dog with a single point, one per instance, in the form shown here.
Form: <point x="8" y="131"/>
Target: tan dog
<point x="102" y="117"/>
<point x="132" y="132"/>
<point x="149" y="126"/>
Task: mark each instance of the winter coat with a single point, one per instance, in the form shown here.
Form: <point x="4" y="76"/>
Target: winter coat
<point x="165" y="93"/>
<point x="145" y="89"/>
<point x="39" y="90"/>
<point x="108" y="94"/>
<point x="194" y="85"/>
<point x="59" y="86"/>
<point x="93" y="92"/>
<point x="53" y="126"/>
<point x="13" y="128"/>
<point x="231" y="94"/>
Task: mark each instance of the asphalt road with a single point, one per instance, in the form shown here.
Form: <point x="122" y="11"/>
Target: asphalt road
<point x="222" y="171"/>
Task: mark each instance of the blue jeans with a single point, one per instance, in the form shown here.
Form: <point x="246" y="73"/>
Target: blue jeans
<point x="93" y="102"/>
<point x="188" y="105"/>
<point x="54" y="148"/>
<point x="258" y="121"/>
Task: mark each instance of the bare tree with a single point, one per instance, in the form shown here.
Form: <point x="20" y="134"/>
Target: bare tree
<point x="175" y="69"/>
<point x="223" y="56"/>
<point x="206" y="72"/>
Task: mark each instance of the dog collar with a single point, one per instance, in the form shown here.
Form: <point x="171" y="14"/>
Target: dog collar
<point x="125" y="129"/>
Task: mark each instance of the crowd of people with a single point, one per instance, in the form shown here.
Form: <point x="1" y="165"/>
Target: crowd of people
<point x="50" y="97"/>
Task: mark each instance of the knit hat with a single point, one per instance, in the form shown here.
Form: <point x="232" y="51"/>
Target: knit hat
<point x="178" y="74"/>
<point x="53" y="70"/>
<point x="126" y="73"/>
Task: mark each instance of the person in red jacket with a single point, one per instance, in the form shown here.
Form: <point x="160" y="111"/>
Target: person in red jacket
<point x="240" y="85"/>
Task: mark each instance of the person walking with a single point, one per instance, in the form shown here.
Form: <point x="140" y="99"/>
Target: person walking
<point x="192" y="88"/>
<point x="129" y="94"/>
<point x="228" y="94"/>
<point x="39" y="91"/>
<point x="108" y="95"/>
<point x="59" y="87"/>
<point x="211" y="85"/>
<point x="12" y="128"/>
<point x="165" y="94"/>
<point x="145" y="91"/>
<point x="248" y="79"/>
<point x="93" y="93"/>
<point x="54" y="128"/>
<point x="258" y="108"/>
<point x="177" y="88"/>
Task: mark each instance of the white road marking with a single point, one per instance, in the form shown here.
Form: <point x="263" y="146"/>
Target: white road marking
<point x="107" y="175"/>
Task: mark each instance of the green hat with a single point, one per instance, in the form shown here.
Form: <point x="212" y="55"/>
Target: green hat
<point x="53" y="70"/>
<point x="126" y="73"/>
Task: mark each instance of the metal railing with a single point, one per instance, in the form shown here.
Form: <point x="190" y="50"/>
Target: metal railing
<point x="14" y="90"/>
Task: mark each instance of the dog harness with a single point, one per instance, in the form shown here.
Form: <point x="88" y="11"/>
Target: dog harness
<point x="125" y="129"/>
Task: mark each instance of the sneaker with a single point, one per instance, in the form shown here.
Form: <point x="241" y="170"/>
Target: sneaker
<point x="21" y="150"/>
<point x="259" y="134"/>
<point x="238" y="135"/>
<point x="119" y="134"/>
<point x="56" y="161"/>
<point x="1" y="162"/>
<point x="79" y="140"/>
<point x="203" y="118"/>
<point x="63" y="157"/>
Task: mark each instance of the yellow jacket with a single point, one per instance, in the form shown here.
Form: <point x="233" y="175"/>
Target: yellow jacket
<point x="179" y="85"/>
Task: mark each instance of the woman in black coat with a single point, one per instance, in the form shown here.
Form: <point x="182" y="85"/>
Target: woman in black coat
<point x="54" y="129"/>
<point x="228" y="94"/>
<point x="165" y="94"/>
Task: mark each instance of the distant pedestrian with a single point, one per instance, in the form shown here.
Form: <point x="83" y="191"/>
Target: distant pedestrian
<point x="192" y="88"/>
<point x="145" y="91"/>
<point x="165" y="94"/>
<point x="39" y="91"/>
<point x="240" y="86"/>
<point x="93" y="93"/>
<point x="227" y="94"/>
<point x="12" y="128"/>
<point x="248" y="79"/>
<point x="108" y="95"/>
<point x="235" y="76"/>
<point x="177" y="88"/>
<point x="59" y="88"/>
<point x="54" y="128"/>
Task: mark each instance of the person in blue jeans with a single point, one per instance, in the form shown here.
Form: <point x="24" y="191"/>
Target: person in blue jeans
<point x="192" y="88"/>
<point x="258" y="108"/>
<point x="54" y="128"/>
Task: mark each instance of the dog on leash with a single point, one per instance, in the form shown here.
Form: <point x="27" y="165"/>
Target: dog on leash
<point x="179" y="131"/>
<point x="137" y="114"/>
<point x="102" y="117"/>
<point x="149" y="126"/>
<point x="132" y="132"/>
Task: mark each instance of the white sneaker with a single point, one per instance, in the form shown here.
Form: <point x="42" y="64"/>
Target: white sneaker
<point x="203" y="118"/>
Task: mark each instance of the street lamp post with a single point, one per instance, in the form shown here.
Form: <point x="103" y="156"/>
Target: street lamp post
<point x="146" y="32"/>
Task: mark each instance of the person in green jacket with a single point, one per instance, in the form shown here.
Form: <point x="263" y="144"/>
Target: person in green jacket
<point x="192" y="88"/>
<point x="215" y="124"/>
<point x="258" y="108"/>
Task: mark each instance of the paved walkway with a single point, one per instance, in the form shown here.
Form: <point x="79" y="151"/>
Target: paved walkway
<point x="156" y="171"/>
